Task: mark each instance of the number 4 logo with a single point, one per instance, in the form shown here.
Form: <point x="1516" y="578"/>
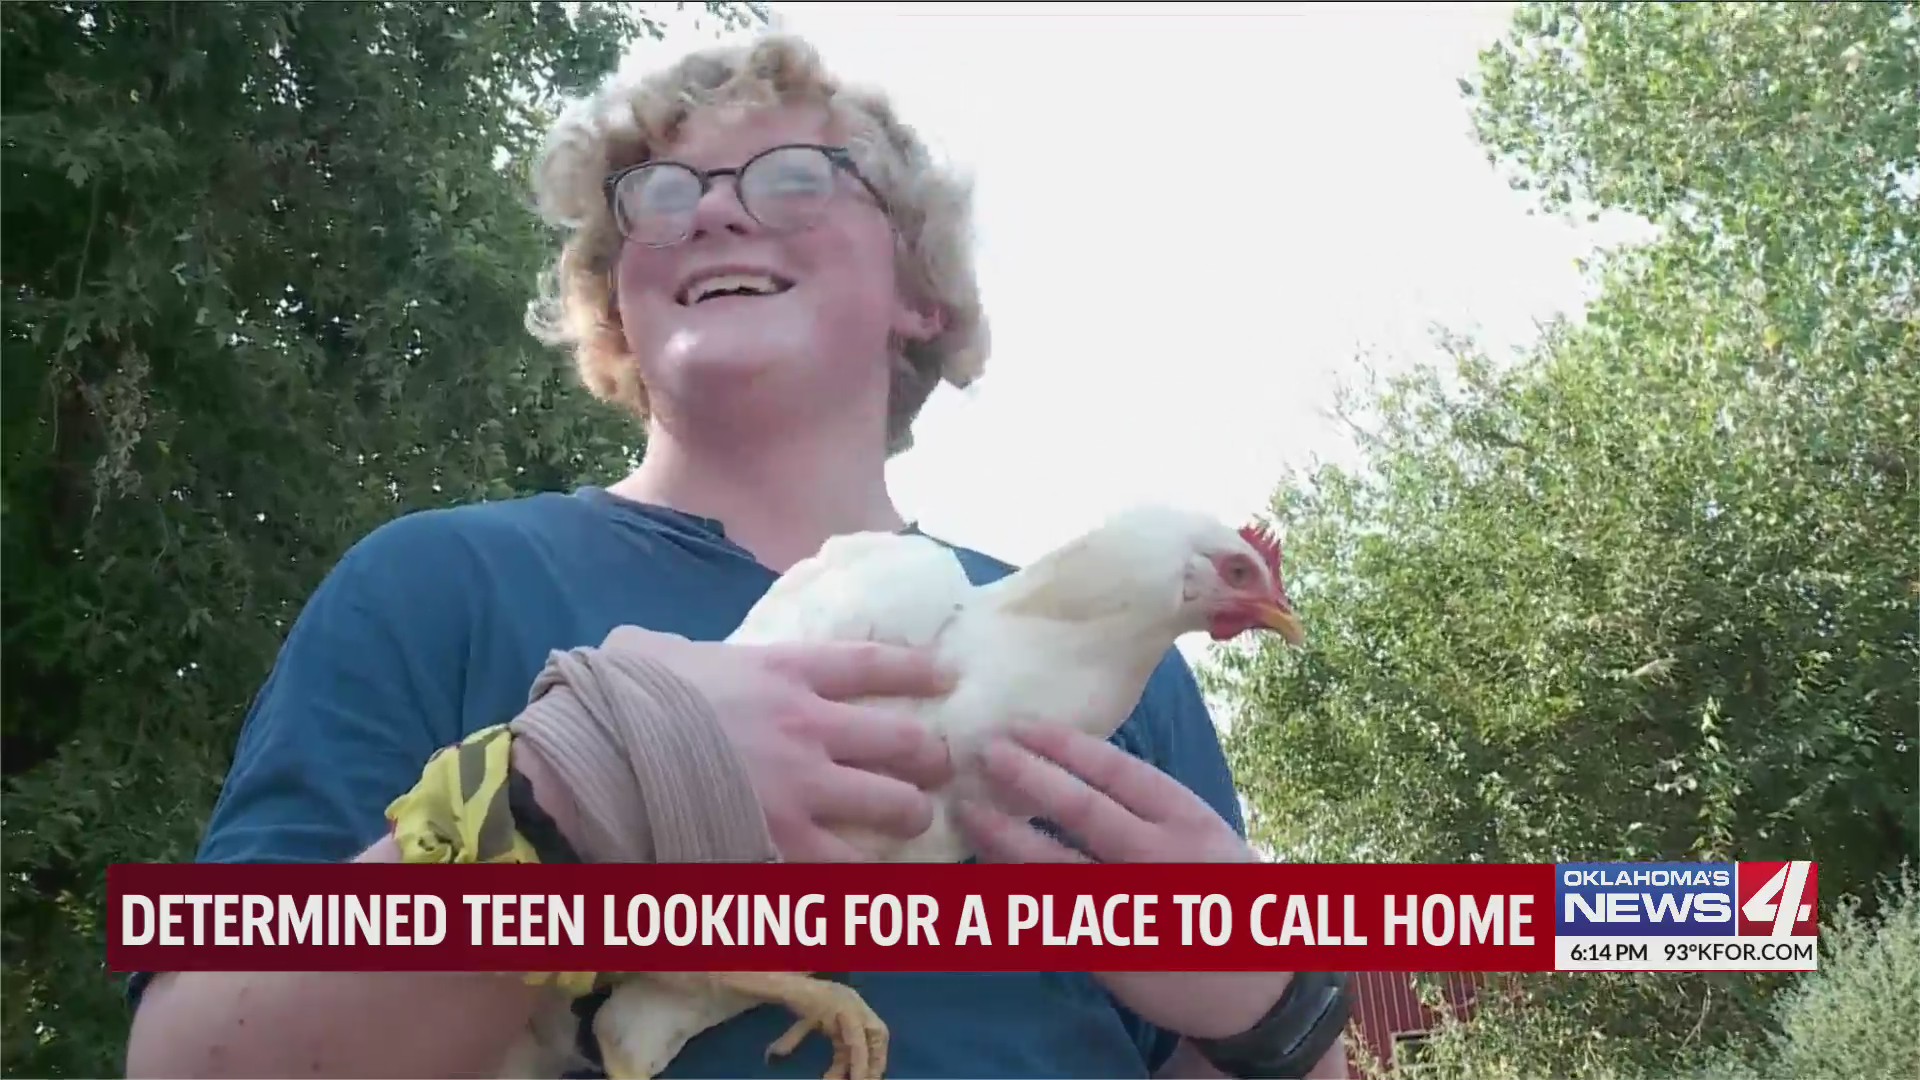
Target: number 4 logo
<point x="1778" y="901"/>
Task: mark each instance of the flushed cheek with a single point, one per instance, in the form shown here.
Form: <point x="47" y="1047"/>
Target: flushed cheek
<point x="857" y="253"/>
<point x="643" y="276"/>
<point x="644" y="317"/>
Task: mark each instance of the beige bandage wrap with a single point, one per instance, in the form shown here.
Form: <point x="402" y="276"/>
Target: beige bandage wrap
<point x="653" y="776"/>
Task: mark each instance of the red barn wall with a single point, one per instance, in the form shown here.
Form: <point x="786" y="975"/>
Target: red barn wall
<point x="1385" y="1005"/>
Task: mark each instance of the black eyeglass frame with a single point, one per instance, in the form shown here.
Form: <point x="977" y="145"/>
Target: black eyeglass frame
<point x="838" y="156"/>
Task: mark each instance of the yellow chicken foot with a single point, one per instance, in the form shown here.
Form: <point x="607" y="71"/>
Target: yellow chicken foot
<point x="838" y="1012"/>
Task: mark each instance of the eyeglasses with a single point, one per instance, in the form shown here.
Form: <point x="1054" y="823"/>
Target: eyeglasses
<point x="784" y="188"/>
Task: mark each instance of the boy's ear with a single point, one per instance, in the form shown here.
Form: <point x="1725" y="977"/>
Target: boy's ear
<point x="920" y="321"/>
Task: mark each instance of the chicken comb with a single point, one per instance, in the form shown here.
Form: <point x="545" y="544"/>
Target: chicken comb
<point x="1266" y="544"/>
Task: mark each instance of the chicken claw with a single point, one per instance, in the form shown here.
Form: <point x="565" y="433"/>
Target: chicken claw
<point x="838" y="1012"/>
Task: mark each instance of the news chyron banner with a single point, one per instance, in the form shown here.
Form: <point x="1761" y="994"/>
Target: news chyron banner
<point x="868" y="917"/>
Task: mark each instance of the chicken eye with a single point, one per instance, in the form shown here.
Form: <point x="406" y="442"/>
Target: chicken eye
<point x="1237" y="573"/>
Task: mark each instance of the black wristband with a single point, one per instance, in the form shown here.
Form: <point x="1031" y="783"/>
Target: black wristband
<point x="1295" y="1033"/>
<point x="534" y="823"/>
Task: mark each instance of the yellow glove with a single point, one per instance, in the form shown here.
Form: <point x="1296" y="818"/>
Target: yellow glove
<point x="463" y="811"/>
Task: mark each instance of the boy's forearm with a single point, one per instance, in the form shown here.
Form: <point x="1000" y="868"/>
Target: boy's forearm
<point x="250" y="1024"/>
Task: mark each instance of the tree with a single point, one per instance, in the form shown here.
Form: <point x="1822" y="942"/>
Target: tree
<point x="264" y="276"/>
<point x="1648" y="592"/>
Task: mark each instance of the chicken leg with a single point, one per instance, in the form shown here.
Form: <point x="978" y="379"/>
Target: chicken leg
<point x="655" y="1013"/>
<point x="838" y="1012"/>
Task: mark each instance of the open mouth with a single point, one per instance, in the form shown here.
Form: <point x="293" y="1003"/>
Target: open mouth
<point x="715" y="286"/>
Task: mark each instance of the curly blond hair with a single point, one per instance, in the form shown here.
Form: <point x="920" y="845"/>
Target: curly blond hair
<point x="629" y="117"/>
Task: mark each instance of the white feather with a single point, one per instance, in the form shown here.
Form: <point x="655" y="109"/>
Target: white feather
<point x="872" y="586"/>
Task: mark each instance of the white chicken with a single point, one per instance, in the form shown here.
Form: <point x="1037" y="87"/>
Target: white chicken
<point x="1075" y="636"/>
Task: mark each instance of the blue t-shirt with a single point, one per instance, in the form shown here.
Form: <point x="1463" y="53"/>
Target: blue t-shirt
<point x="435" y="625"/>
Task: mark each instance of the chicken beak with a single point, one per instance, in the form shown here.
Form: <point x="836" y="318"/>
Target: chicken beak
<point x="1282" y="620"/>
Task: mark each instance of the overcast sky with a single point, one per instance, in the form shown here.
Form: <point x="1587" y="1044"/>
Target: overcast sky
<point x="1189" y="227"/>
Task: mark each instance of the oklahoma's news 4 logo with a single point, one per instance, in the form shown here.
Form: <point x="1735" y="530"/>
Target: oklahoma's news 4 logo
<point x="1745" y="899"/>
<point x="1778" y="899"/>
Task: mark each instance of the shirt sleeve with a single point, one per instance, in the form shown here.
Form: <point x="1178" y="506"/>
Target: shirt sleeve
<point x="1186" y="745"/>
<point x="366" y="686"/>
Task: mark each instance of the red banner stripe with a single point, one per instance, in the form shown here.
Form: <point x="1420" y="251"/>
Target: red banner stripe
<point x="801" y="917"/>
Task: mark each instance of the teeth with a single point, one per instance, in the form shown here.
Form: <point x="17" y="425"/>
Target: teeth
<point x="758" y="284"/>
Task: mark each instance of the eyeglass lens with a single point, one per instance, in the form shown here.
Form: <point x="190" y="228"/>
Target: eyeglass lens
<point x="784" y="189"/>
